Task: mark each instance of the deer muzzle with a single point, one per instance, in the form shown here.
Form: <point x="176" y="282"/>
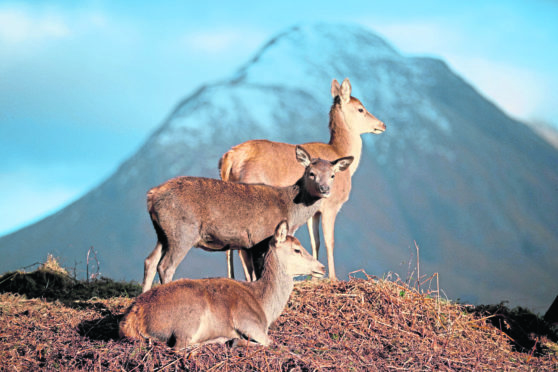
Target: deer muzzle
<point x="380" y="128"/>
<point x="324" y="190"/>
<point x="318" y="271"/>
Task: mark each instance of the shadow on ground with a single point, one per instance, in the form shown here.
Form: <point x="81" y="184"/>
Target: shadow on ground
<point x="527" y="331"/>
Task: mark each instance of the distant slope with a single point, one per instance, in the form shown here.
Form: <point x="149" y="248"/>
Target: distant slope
<point x="546" y="131"/>
<point x="474" y="188"/>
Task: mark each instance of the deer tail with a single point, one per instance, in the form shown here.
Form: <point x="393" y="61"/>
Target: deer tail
<point x="225" y="166"/>
<point x="131" y="325"/>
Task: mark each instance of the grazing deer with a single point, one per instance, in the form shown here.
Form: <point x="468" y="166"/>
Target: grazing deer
<point x="199" y="311"/>
<point x="262" y="161"/>
<point x="216" y="215"/>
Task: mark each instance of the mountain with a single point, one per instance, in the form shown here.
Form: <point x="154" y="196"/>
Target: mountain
<point x="475" y="189"/>
<point x="546" y="131"/>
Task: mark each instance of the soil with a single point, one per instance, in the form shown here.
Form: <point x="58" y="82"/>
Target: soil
<point x="356" y="325"/>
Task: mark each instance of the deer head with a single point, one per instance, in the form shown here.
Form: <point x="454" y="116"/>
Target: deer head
<point x="295" y="259"/>
<point x="355" y="114"/>
<point x="319" y="173"/>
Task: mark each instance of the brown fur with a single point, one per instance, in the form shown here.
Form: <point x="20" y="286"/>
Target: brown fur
<point x="218" y="215"/>
<point x="187" y="311"/>
<point x="262" y="161"/>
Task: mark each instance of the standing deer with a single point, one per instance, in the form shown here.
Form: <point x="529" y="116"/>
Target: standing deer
<point x="199" y="311"/>
<point x="262" y="161"/>
<point x="216" y="215"/>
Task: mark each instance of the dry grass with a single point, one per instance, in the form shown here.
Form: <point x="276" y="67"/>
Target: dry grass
<point x="51" y="322"/>
<point x="361" y="324"/>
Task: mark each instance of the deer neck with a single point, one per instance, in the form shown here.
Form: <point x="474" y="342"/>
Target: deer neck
<point x="273" y="288"/>
<point x="301" y="205"/>
<point x="345" y="142"/>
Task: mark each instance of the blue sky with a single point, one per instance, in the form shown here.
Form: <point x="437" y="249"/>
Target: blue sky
<point x="82" y="84"/>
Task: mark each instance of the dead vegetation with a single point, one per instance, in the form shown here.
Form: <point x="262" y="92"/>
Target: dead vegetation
<point x="360" y="324"/>
<point x="52" y="282"/>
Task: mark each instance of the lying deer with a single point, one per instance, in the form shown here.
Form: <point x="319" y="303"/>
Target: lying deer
<point x="198" y="311"/>
<point x="216" y="215"/>
<point x="271" y="163"/>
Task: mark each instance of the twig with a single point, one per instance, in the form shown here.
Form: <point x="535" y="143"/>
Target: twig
<point x="96" y="274"/>
<point x="418" y="265"/>
<point x="168" y="365"/>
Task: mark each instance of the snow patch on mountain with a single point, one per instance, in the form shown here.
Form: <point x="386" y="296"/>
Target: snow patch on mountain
<point x="305" y="54"/>
<point x="233" y="109"/>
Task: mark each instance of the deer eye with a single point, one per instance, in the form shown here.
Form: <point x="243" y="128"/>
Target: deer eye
<point x="361" y="110"/>
<point x="297" y="250"/>
<point x="312" y="175"/>
<point x="333" y="176"/>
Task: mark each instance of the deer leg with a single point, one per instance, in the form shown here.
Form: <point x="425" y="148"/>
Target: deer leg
<point x="313" y="225"/>
<point x="328" y="228"/>
<point x="170" y="262"/>
<point x="177" y="249"/>
<point x="184" y="343"/>
<point x="181" y="343"/>
<point x="250" y="329"/>
<point x="150" y="266"/>
<point x="247" y="265"/>
<point x="230" y="264"/>
<point x="243" y="342"/>
<point x="255" y="334"/>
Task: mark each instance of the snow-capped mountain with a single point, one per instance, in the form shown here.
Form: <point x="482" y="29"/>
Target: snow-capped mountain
<point x="476" y="190"/>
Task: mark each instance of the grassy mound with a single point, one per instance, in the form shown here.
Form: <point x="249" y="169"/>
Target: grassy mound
<point x="360" y="324"/>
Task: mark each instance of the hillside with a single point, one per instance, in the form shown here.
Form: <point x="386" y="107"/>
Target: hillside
<point x="362" y="324"/>
<point x="474" y="188"/>
<point x="546" y="131"/>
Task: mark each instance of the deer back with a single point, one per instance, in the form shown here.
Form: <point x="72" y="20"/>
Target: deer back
<point x="224" y="213"/>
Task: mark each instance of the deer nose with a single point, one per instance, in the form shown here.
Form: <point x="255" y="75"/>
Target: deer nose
<point x="324" y="189"/>
<point x="319" y="270"/>
<point x="380" y="128"/>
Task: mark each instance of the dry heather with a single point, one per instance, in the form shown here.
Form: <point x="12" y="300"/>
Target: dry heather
<point x="356" y="325"/>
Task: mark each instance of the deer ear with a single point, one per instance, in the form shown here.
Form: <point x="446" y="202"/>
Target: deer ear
<point x="345" y="91"/>
<point x="302" y="156"/>
<point x="341" y="164"/>
<point x="335" y="88"/>
<point x="281" y="231"/>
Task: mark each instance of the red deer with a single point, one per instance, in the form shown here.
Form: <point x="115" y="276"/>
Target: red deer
<point x="271" y="163"/>
<point x="198" y="311"/>
<point x="216" y="215"/>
